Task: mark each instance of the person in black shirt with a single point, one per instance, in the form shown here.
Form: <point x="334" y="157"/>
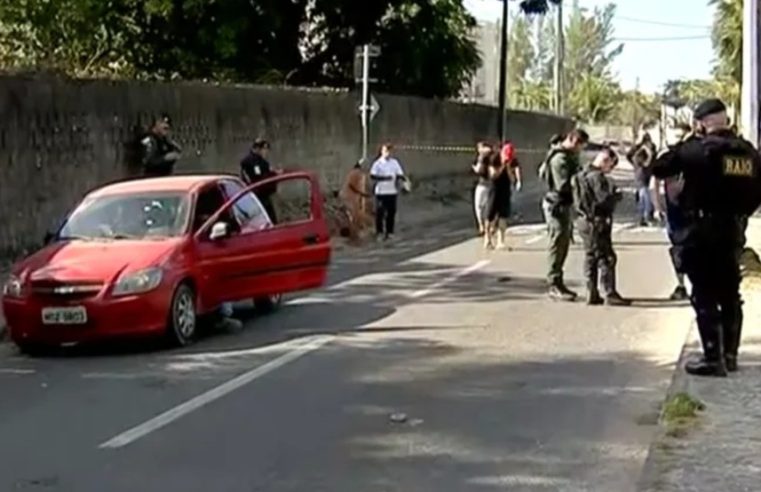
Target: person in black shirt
<point x="254" y="168"/>
<point x="160" y="153"/>
<point x="722" y="186"/>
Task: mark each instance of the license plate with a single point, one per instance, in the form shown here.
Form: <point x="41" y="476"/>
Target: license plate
<point x="64" y="316"/>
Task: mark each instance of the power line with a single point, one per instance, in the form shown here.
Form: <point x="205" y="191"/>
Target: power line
<point x="659" y="23"/>
<point x="676" y="38"/>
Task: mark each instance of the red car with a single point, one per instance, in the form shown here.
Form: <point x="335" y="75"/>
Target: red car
<point x="149" y="256"/>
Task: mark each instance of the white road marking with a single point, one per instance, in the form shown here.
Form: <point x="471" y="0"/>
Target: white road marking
<point x="466" y="271"/>
<point x="131" y="435"/>
<point x="213" y="394"/>
<point x="17" y="372"/>
<point x="536" y="239"/>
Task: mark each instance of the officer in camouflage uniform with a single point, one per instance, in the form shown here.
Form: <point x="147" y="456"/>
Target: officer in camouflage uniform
<point x="561" y="165"/>
<point x="595" y="198"/>
<point x="722" y="185"/>
<point x="160" y="153"/>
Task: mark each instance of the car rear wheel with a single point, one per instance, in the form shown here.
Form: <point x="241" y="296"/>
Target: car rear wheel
<point x="183" y="319"/>
<point x="268" y="304"/>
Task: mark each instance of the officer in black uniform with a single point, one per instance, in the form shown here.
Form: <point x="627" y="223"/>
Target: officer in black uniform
<point x="254" y="168"/>
<point x="160" y="153"/>
<point x="722" y="184"/>
<point x="595" y="199"/>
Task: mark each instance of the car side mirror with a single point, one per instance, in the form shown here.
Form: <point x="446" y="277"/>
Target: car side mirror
<point x="49" y="237"/>
<point x="219" y="231"/>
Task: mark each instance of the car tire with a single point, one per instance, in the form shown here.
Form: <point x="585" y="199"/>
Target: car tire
<point x="183" y="317"/>
<point x="31" y="349"/>
<point x="268" y="304"/>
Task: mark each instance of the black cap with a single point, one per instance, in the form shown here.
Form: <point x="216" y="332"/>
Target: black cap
<point x="709" y="107"/>
<point x="261" y="143"/>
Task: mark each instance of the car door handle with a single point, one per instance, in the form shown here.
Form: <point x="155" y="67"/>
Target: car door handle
<point x="311" y="239"/>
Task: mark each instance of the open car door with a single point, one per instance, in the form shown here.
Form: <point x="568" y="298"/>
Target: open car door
<point x="253" y="258"/>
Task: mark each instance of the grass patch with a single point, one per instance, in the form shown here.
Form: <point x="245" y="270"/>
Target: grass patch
<point x="680" y="413"/>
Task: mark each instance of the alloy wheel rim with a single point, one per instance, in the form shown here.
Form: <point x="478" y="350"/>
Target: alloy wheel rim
<point x="185" y="315"/>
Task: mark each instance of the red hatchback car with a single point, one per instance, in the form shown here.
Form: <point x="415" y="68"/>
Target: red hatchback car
<point x="149" y="256"/>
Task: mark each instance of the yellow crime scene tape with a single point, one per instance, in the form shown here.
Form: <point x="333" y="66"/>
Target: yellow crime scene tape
<point x="458" y="149"/>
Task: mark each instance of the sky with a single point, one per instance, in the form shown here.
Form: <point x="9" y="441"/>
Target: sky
<point x="639" y="24"/>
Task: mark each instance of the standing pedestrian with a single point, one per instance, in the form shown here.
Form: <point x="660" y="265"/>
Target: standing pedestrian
<point x="386" y="172"/>
<point x="676" y="222"/>
<point x="254" y="168"/>
<point x="514" y="167"/>
<point x="500" y="202"/>
<point x="482" y="192"/>
<point x="159" y="152"/>
<point x="641" y="157"/>
<point x="561" y="165"/>
<point x="353" y="195"/>
<point x="722" y="185"/>
<point x="595" y="199"/>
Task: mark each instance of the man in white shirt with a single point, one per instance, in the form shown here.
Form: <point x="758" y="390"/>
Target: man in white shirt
<point x="386" y="172"/>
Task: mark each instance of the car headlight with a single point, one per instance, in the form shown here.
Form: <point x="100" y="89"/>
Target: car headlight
<point x="138" y="282"/>
<point x="13" y="287"/>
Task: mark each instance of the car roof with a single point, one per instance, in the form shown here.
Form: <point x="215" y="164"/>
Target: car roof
<point x="184" y="184"/>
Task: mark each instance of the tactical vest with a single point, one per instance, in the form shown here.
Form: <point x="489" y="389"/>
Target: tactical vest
<point x="732" y="184"/>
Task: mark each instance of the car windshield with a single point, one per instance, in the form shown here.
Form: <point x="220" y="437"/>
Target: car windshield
<point x="133" y="216"/>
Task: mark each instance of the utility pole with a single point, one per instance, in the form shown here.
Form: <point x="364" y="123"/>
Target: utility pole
<point x="559" y="60"/>
<point x="365" y="114"/>
<point x="751" y="71"/>
<point x="502" y="74"/>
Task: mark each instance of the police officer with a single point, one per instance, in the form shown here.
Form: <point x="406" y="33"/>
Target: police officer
<point x="160" y="153"/>
<point x="722" y="184"/>
<point x="254" y="168"/>
<point x="595" y="198"/>
<point x="561" y="165"/>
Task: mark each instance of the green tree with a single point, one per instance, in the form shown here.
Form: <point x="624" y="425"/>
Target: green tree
<point x="636" y="109"/>
<point x="590" y="50"/>
<point x="727" y="37"/>
<point x="594" y="98"/>
<point x="427" y="47"/>
<point x="520" y="56"/>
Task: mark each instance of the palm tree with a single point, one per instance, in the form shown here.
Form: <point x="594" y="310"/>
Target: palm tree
<point x="594" y="99"/>
<point x="727" y="37"/>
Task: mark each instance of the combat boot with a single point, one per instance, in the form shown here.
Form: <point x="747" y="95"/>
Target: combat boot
<point x="680" y="294"/>
<point x="706" y="367"/>
<point x="558" y="292"/>
<point x="615" y="299"/>
<point x="732" y="320"/>
<point x="594" y="298"/>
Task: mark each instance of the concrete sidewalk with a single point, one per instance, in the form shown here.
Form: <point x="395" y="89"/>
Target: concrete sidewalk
<point x="721" y="450"/>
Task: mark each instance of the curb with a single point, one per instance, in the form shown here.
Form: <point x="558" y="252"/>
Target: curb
<point x="680" y="383"/>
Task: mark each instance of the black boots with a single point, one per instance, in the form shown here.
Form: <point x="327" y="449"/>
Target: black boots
<point x="708" y="367"/>
<point x="680" y="294"/>
<point x="559" y="292"/>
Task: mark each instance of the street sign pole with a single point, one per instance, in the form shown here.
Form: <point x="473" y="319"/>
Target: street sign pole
<point x="365" y="100"/>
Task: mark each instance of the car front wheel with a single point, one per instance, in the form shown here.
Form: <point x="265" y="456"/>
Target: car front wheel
<point x="183" y="319"/>
<point x="268" y="304"/>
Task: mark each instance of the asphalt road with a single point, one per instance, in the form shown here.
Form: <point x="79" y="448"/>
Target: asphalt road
<point x="496" y="387"/>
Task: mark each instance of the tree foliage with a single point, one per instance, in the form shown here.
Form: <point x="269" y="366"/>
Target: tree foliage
<point x="426" y="44"/>
<point x="591" y="92"/>
<point x="727" y="37"/>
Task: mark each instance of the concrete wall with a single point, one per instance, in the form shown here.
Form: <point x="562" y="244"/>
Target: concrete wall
<point x="59" y="138"/>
